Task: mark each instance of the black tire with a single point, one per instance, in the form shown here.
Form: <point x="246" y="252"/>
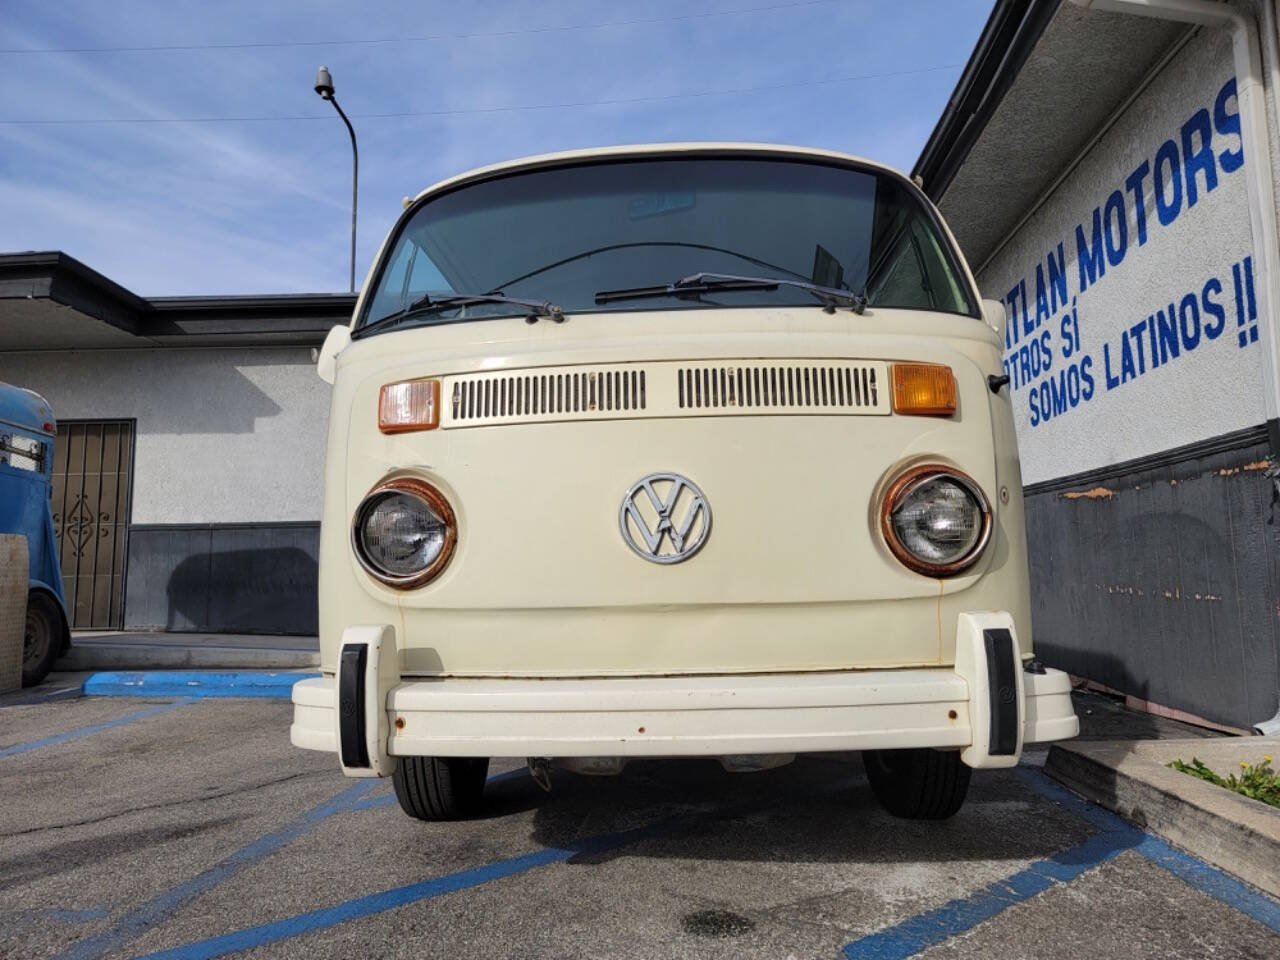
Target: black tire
<point x="42" y="638"/>
<point x="917" y="784"/>
<point x="440" y="788"/>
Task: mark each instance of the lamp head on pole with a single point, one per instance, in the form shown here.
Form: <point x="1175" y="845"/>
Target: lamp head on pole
<point x="324" y="83"/>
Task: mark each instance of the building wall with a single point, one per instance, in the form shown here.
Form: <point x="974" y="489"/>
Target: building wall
<point x="1156" y="307"/>
<point x="1137" y="388"/>
<point x="223" y="436"/>
<point x="227" y="479"/>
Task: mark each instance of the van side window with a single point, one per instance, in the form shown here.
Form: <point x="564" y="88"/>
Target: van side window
<point x="904" y="280"/>
<point x="410" y="274"/>
<point x="392" y="289"/>
<point x="424" y="276"/>
<point x="917" y="274"/>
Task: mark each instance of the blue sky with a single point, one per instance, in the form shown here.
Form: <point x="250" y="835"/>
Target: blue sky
<point x="264" y="207"/>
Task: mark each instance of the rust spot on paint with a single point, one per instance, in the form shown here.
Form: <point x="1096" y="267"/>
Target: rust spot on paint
<point x="1097" y="493"/>
<point x="641" y="730"/>
<point x="399" y="723"/>
<point x="1251" y="466"/>
<point x="951" y="714"/>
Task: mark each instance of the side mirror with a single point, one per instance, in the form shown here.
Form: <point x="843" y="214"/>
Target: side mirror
<point x="327" y="359"/>
<point x="995" y="316"/>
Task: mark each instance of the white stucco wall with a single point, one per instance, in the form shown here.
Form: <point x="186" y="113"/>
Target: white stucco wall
<point x="1086" y="390"/>
<point x="222" y="435"/>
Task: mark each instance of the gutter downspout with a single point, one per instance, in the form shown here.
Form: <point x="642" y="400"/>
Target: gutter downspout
<point x="1271" y="48"/>
<point x="1256" y="143"/>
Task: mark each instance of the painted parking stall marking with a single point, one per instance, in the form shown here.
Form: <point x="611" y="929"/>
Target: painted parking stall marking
<point x="164" y="906"/>
<point x="401" y="896"/>
<point x="1114" y="836"/>
<point x="189" y="683"/>
<point x="188" y="919"/>
<point x="94" y="728"/>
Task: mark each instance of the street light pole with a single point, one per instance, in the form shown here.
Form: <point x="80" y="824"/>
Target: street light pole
<point x="324" y="87"/>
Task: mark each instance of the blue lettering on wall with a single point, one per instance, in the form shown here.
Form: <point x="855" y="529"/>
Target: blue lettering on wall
<point x="1227" y="123"/>
<point x="1198" y="159"/>
<point x="1089" y="253"/>
<point x="1057" y="377"/>
<point x="1213" y="309"/>
<point x="1058" y="278"/>
<point x="1115" y="230"/>
<point x="1133" y="183"/>
<point x="1168" y="183"/>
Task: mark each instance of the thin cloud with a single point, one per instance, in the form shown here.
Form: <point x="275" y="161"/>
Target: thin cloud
<point x="206" y="209"/>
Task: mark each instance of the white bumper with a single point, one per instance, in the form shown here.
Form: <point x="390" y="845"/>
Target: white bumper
<point x="688" y="716"/>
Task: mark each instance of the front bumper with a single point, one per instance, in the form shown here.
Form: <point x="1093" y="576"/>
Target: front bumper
<point x="685" y="716"/>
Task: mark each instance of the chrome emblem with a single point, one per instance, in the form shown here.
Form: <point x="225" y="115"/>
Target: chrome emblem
<point x="665" y="518"/>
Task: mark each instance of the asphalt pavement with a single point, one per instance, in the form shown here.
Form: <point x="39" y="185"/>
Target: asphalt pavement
<point x="187" y="828"/>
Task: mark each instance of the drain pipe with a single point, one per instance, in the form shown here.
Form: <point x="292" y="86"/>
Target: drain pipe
<point x="1271" y="48"/>
<point x="1259" y="173"/>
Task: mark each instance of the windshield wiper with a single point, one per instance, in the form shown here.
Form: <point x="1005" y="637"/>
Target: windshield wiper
<point x="428" y="304"/>
<point x="687" y="288"/>
<point x="704" y="282"/>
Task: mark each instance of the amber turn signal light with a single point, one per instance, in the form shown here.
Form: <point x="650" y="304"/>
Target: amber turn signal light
<point x="409" y="405"/>
<point x="924" y="389"/>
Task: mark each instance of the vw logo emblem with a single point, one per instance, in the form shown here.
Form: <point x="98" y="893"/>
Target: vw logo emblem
<point x="665" y="518"/>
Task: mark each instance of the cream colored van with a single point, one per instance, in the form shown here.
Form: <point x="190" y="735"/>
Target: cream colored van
<point x="700" y="450"/>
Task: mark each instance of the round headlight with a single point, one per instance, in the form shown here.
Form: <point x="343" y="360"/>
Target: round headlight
<point x="936" y="520"/>
<point x="404" y="532"/>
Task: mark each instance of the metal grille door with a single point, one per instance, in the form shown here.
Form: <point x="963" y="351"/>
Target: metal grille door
<point x="92" y="469"/>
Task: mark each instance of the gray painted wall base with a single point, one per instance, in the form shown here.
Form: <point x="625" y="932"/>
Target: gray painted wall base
<point x="223" y="578"/>
<point x="1161" y="578"/>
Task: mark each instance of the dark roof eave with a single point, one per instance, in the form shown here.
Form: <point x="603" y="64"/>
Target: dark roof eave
<point x="63" y="279"/>
<point x="1010" y="34"/>
<point x="55" y="276"/>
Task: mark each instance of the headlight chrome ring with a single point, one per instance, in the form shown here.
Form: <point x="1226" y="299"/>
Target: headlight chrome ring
<point x="910" y="482"/>
<point x="436" y="504"/>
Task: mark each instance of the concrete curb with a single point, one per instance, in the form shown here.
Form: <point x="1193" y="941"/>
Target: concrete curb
<point x="161" y="683"/>
<point x="1232" y="832"/>
<point x="134" y="656"/>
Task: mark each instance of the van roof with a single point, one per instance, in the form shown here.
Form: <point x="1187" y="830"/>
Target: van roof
<point x="25" y="409"/>
<point x="650" y="150"/>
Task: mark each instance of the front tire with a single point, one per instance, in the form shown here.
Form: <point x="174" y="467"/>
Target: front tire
<point x="440" y="788"/>
<point x="41" y="638"/>
<point x="917" y="784"/>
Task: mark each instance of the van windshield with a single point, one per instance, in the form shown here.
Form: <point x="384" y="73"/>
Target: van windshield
<point x="563" y="235"/>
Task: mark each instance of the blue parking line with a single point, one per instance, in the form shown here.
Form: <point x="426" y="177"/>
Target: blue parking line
<point x="1195" y="873"/>
<point x="162" y="907"/>
<point x="1114" y="836"/>
<point x="929" y="929"/>
<point x="93" y="728"/>
<point x="253" y="937"/>
<point x="192" y="683"/>
<point x="353" y="799"/>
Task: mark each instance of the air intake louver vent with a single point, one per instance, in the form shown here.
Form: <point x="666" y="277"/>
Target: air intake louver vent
<point x="547" y="394"/>
<point x="659" y="389"/>
<point x="778" y="387"/>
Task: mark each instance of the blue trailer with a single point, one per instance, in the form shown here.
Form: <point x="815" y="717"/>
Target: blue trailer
<point x="27" y="430"/>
